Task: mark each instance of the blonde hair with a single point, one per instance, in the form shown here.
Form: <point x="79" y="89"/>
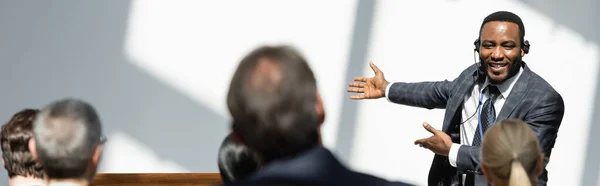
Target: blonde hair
<point x="510" y="151"/>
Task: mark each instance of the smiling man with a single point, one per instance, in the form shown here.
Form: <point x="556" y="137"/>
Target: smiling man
<point x="501" y="86"/>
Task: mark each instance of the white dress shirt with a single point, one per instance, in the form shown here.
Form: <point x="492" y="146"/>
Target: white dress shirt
<point x="470" y="108"/>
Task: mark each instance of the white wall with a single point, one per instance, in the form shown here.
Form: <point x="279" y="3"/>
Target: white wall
<point x="158" y="71"/>
<point x="195" y="45"/>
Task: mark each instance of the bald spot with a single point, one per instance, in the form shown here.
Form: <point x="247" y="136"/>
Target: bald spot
<point x="62" y="131"/>
<point x="266" y="76"/>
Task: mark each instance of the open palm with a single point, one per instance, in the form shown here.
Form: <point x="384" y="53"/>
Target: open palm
<point x="369" y="88"/>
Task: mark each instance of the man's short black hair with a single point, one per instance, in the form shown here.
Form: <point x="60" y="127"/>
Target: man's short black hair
<point x="272" y="99"/>
<point x="505" y="16"/>
<point x="236" y="161"/>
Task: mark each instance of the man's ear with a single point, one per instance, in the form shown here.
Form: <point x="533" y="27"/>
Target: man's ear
<point x="97" y="155"/>
<point x="540" y="165"/>
<point x="320" y="109"/>
<point x="236" y="138"/>
<point x="486" y="173"/>
<point x="3" y="164"/>
<point x="33" y="150"/>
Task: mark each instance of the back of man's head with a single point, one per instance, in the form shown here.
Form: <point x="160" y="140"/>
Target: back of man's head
<point x="15" y="136"/>
<point x="272" y="99"/>
<point x="68" y="139"/>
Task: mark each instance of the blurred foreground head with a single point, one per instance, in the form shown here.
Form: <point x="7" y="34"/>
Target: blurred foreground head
<point x="16" y="157"/>
<point x="274" y="102"/>
<point x="511" y="155"/>
<point x="68" y="140"/>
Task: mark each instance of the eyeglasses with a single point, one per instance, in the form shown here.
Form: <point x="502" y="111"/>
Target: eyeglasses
<point x="102" y="139"/>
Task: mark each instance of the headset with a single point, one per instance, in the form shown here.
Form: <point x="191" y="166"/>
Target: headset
<point x="525" y="45"/>
<point x="481" y="73"/>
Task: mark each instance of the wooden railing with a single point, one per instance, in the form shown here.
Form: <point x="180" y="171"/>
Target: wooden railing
<point x="158" y="179"/>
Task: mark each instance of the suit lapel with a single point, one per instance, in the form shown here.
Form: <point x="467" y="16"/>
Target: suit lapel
<point x="516" y="94"/>
<point x="458" y="99"/>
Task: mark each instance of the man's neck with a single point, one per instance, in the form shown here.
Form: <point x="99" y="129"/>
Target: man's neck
<point x="502" y="182"/>
<point x="67" y="182"/>
<point x="25" y="180"/>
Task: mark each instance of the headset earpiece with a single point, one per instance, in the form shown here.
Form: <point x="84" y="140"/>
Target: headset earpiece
<point x="526" y="46"/>
<point x="480" y="70"/>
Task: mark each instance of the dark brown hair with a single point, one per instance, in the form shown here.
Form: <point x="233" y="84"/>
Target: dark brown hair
<point x="15" y="135"/>
<point x="236" y="161"/>
<point x="272" y="99"/>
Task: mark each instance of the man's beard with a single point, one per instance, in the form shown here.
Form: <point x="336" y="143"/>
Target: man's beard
<point x="516" y="64"/>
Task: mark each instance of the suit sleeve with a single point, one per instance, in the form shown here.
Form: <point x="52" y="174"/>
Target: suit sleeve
<point x="545" y="121"/>
<point x="544" y="118"/>
<point x="428" y="95"/>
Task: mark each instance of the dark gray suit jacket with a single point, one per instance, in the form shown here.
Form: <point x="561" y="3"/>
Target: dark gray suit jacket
<point x="531" y="99"/>
<point x="315" y="167"/>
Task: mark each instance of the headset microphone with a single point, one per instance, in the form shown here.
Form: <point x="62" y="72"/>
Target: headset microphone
<point x="480" y="72"/>
<point x="525" y="46"/>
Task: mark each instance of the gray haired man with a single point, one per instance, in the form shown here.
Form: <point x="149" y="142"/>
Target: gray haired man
<point x="68" y="142"/>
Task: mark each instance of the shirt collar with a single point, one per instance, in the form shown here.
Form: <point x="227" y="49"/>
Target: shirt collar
<point x="63" y="184"/>
<point x="506" y="86"/>
<point x="33" y="184"/>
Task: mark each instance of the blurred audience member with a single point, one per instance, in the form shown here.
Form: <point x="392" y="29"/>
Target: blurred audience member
<point x="277" y="111"/>
<point x="16" y="158"/>
<point x="236" y="162"/>
<point x="510" y="154"/>
<point x="68" y="142"/>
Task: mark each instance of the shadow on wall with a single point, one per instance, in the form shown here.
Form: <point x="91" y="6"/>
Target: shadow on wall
<point x="52" y="50"/>
<point x="582" y="17"/>
<point x="361" y="34"/>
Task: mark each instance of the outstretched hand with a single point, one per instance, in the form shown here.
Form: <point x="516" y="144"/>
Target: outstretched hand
<point x="439" y="143"/>
<point x="369" y="88"/>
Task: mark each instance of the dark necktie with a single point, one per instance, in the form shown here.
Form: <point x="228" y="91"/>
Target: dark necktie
<point x="487" y="118"/>
<point x="488" y="114"/>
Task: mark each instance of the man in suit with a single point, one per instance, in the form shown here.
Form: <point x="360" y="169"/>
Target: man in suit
<point x="500" y="86"/>
<point x="277" y="112"/>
